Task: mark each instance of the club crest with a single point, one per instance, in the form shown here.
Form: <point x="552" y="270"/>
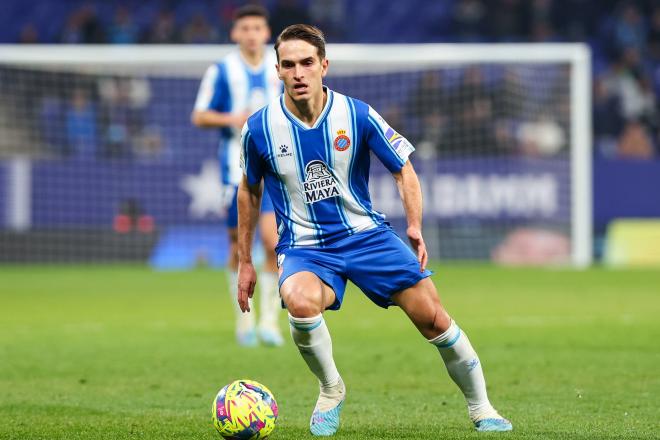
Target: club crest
<point x="342" y="142"/>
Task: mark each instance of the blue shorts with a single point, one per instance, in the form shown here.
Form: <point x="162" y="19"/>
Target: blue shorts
<point x="377" y="261"/>
<point x="232" y="212"/>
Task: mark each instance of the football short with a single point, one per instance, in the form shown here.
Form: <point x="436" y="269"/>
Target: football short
<point x="377" y="261"/>
<point x="232" y="210"/>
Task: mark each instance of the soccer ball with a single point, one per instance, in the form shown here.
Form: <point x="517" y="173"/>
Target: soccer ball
<point x="244" y="410"/>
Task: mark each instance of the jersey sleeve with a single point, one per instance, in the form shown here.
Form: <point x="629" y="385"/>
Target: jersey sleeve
<point x="213" y="92"/>
<point x="251" y="161"/>
<point x="389" y="146"/>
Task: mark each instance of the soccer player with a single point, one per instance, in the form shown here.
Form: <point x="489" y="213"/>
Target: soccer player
<point x="244" y="81"/>
<point x="311" y="148"/>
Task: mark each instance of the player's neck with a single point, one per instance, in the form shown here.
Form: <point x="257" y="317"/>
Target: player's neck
<point x="252" y="58"/>
<point x="310" y="110"/>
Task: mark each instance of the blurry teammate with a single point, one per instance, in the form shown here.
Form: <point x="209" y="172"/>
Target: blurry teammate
<point x="311" y="148"/>
<point x="231" y="90"/>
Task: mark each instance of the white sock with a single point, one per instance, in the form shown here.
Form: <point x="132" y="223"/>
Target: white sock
<point x="269" y="301"/>
<point x="312" y="337"/>
<point x="464" y="368"/>
<point x="244" y="321"/>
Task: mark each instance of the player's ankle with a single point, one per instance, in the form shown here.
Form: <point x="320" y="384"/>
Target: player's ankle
<point x="334" y="386"/>
<point x="484" y="411"/>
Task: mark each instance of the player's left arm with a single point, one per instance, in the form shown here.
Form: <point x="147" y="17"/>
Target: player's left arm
<point x="411" y="195"/>
<point x="393" y="151"/>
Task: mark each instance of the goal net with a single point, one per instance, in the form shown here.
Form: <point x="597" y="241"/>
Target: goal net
<point x="99" y="161"/>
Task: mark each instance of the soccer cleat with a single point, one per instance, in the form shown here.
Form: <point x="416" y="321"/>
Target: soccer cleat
<point x="247" y="338"/>
<point x="325" y="423"/>
<point x="331" y="400"/>
<point x="270" y="337"/>
<point x="493" y="425"/>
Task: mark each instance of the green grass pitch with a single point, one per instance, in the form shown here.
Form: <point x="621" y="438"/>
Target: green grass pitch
<point x="117" y="352"/>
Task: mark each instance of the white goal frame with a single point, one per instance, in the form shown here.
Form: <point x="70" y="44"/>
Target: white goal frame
<point x="375" y="58"/>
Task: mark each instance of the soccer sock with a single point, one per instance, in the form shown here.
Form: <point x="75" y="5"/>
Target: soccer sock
<point x="269" y="301"/>
<point x="465" y="370"/>
<point x="244" y="321"/>
<point x="312" y="337"/>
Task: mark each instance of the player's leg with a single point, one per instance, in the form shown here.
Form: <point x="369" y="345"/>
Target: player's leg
<point x="246" y="334"/>
<point x="269" y="297"/>
<point x="306" y="297"/>
<point x="422" y="305"/>
<point x="390" y="274"/>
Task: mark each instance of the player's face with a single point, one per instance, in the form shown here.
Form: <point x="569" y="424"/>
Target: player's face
<point x="250" y="33"/>
<point x="301" y="69"/>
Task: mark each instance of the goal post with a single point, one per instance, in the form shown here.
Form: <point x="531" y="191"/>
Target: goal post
<point x="507" y="153"/>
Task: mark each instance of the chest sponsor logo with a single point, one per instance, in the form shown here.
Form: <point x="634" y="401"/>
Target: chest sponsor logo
<point x="319" y="182"/>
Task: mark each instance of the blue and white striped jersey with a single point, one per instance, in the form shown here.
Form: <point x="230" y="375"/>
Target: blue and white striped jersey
<point x="232" y="86"/>
<point x="317" y="177"/>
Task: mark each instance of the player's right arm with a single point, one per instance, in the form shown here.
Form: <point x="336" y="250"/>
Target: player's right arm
<point x="249" y="201"/>
<point x="209" y="111"/>
<point x="249" y="204"/>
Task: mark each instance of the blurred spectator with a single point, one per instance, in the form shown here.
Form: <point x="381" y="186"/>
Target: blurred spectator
<point x="635" y="142"/>
<point x="607" y="119"/>
<point x="653" y="41"/>
<point x="123" y="102"/>
<point x="286" y="13"/>
<point x="472" y="127"/>
<point x="148" y="145"/>
<point x="626" y="80"/>
<point x="577" y="20"/>
<point x="52" y="124"/>
<point x="543" y="32"/>
<point x="629" y="29"/>
<point x="123" y="30"/>
<point x="468" y="18"/>
<point x="164" y="30"/>
<point x="506" y="20"/>
<point x="81" y="125"/>
<point x="428" y="107"/>
<point x="83" y="26"/>
<point x="330" y="16"/>
<point x="29" y="34"/>
<point x="199" y="31"/>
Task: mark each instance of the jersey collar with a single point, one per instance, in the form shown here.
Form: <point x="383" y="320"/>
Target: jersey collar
<point x="324" y="113"/>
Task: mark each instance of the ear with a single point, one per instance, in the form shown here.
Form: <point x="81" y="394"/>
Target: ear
<point x="324" y="67"/>
<point x="232" y="34"/>
<point x="279" y="74"/>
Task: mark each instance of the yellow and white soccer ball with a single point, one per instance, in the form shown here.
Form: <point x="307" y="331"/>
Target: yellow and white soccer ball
<point x="244" y="410"/>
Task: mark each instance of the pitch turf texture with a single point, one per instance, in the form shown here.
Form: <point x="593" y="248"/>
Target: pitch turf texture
<point x="127" y="353"/>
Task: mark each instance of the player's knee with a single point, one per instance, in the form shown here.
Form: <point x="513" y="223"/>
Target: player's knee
<point x="302" y="304"/>
<point x="439" y="323"/>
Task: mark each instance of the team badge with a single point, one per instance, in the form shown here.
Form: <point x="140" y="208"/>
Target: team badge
<point x="342" y="142"/>
<point x="319" y="182"/>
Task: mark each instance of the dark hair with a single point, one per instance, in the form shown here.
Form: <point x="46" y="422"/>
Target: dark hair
<point x="306" y="32"/>
<point x="250" y="10"/>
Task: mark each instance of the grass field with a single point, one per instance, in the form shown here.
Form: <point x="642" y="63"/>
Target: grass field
<point x="126" y="353"/>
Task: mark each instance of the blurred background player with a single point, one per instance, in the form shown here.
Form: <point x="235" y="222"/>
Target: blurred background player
<point x="232" y="89"/>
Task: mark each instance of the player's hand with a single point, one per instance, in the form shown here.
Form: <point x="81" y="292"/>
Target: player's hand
<point x="247" y="279"/>
<point x="417" y="242"/>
